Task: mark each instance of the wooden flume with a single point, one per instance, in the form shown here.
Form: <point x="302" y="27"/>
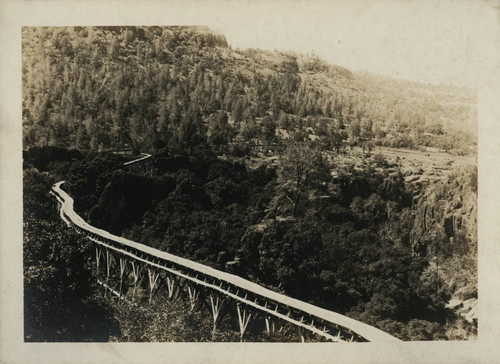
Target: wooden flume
<point x="127" y="263"/>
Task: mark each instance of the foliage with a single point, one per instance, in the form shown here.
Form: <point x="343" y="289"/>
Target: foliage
<point x="88" y="178"/>
<point x="301" y="169"/>
<point x="59" y="290"/>
<point x="98" y="88"/>
<point x="46" y="157"/>
<point x="348" y="250"/>
<point x="346" y="237"/>
<point x="161" y="321"/>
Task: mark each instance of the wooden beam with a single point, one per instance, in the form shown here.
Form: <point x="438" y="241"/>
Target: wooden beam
<point x="136" y="270"/>
<point x="243" y="320"/>
<point x="123" y="266"/>
<point x="97" y="255"/>
<point x="110" y="289"/>
<point x="153" y="279"/>
<point x="193" y="296"/>
<point x="161" y="283"/>
<point x="170" y="286"/>
<point x="269" y="324"/>
<point x="181" y="283"/>
<point x="300" y="331"/>
<point x="108" y="263"/>
<point x="216" y="305"/>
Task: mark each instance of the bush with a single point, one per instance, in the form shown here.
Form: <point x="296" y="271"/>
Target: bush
<point x="379" y="160"/>
<point x="59" y="287"/>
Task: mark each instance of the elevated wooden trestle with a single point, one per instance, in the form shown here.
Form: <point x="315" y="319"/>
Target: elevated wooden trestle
<point x="143" y="165"/>
<point x="122" y="265"/>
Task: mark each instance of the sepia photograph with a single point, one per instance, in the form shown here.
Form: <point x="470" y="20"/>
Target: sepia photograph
<point x="253" y="180"/>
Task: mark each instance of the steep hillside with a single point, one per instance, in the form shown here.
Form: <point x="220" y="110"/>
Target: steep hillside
<point x="106" y="87"/>
<point x="329" y="186"/>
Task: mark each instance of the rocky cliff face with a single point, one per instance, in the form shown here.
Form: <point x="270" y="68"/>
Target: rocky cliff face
<point x="445" y="231"/>
<point x="446" y="216"/>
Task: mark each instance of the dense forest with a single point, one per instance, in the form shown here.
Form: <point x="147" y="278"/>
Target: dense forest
<point x="267" y="165"/>
<point x="102" y="88"/>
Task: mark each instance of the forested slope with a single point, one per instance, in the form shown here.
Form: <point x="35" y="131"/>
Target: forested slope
<point x="104" y="87"/>
<point x="354" y="244"/>
<point x="262" y="166"/>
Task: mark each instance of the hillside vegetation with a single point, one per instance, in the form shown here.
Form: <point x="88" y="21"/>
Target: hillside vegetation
<point x="277" y="167"/>
<point x="353" y="243"/>
<point x="106" y="87"/>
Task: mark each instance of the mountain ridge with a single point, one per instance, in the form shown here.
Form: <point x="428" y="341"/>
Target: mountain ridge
<point x="103" y="87"/>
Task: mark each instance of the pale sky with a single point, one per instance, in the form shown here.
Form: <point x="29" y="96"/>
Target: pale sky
<point x="447" y="42"/>
<point x="436" y="41"/>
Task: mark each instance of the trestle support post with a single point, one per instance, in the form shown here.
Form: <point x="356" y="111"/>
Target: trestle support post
<point x="216" y="304"/>
<point x="153" y="280"/>
<point x="194" y="295"/>
<point x="243" y="319"/>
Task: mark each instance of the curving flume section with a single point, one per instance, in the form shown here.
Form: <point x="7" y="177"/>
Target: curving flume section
<point x="328" y="324"/>
<point x="140" y="159"/>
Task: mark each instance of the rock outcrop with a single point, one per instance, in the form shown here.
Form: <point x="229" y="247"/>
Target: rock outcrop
<point x="446" y="215"/>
